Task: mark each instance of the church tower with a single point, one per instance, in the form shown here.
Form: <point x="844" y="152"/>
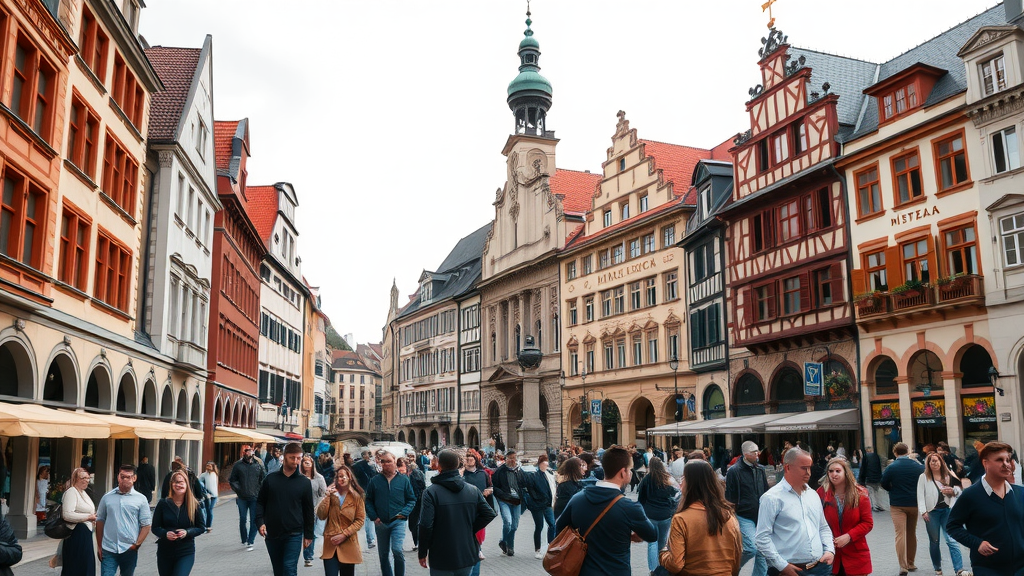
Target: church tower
<point x="529" y="94"/>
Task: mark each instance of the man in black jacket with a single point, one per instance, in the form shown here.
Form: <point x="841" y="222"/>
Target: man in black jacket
<point x="457" y="511"/>
<point x="246" y="478"/>
<point x="509" y="489"/>
<point x="284" y="512"/>
<point x="364" y="472"/>
<point x="745" y="482"/>
<point x="10" y="550"/>
<point x="540" y="488"/>
<point x="145" y="481"/>
<point x="871" y="476"/>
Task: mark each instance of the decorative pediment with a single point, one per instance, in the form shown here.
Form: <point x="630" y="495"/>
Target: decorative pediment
<point x="650" y="325"/>
<point x="672" y="320"/>
<point x="1007" y="201"/>
<point x="635" y="328"/>
<point x="985" y="36"/>
<point x="572" y="343"/>
<point x="605" y="335"/>
<point x="589" y="339"/>
<point x="501" y="373"/>
<point x="619" y="332"/>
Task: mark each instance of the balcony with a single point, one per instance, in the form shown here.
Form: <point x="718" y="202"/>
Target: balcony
<point x="190" y="355"/>
<point x="940" y="297"/>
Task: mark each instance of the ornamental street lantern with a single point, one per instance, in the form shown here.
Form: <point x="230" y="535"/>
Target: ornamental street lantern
<point x="530" y="356"/>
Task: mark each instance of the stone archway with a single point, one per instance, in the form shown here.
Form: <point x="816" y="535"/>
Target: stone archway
<point x="513" y="415"/>
<point x="97" y="389"/>
<point x="924" y="371"/>
<point x="434" y="440"/>
<point x="196" y="417"/>
<point x="493" y="418"/>
<point x="148" y="398"/>
<point x="460" y="438"/>
<point x="788" y="390"/>
<point x="167" y="403"/>
<point x="473" y="438"/>
<point x="182" y="412"/>
<point x="17" y="376"/>
<point x="748" y="397"/>
<point x="61" y="381"/>
<point x="423" y="439"/>
<point x="713" y="406"/>
<point x="401" y="435"/>
<point x="611" y="423"/>
<point x="975" y="363"/>
<point x="883" y="373"/>
<point x="643" y="416"/>
<point x="127" y="397"/>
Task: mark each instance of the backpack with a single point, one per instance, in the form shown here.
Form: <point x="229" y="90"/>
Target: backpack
<point x="55" y="526"/>
<point x="566" y="552"/>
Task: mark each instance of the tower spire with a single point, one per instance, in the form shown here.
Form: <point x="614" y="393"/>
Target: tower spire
<point x="529" y="94"/>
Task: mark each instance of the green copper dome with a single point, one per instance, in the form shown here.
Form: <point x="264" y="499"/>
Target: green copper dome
<point x="529" y="80"/>
<point x="529" y="42"/>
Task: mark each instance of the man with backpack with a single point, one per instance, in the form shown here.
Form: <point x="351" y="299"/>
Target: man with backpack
<point x="609" y="521"/>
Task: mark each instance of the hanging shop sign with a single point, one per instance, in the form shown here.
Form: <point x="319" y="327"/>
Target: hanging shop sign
<point x="978" y="409"/>
<point x="812" y="379"/>
<point x="929" y="412"/>
<point x="885" y="414"/>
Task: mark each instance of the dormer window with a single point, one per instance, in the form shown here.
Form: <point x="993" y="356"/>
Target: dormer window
<point x="705" y="202"/>
<point x="904" y="92"/>
<point x="426" y="291"/>
<point x="899" y="102"/>
<point x="993" y="75"/>
<point x="607" y="218"/>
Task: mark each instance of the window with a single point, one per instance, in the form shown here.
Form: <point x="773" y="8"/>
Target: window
<point x="827" y="289"/>
<point x="670" y="285"/>
<point x="609" y="356"/>
<point x="603" y="259"/>
<point x="83" y="126"/>
<point x="607" y="218"/>
<point x="574" y="361"/>
<point x="606" y="303"/>
<point x="1005" y="153"/>
<point x="643" y="204"/>
<point x="915" y="261"/>
<point x="573" y="317"/>
<point x="634" y="296"/>
<point x="791" y="295"/>
<point x="638" y="351"/>
<point x="869" y="192"/>
<point x="652" y="348"/>
<point x="620" y="299"/>
<point x="202" y="134"/>
<point x="874" y="266"/>
<point x="762" y="155"/>
<point x="961" y="250"/>
<point x="634" y="248"/>
<point x="620" y="350"/>
<point x="73" y="268"/>
<point x="570" y="270"/>
<point x="993" y="75"/>
<point x="588" y="264"/>
<point x="625" y="211"/>
<point x="652" y="291"/>
<point x="33" y="87"/>
<point x="799" y="137"/>
<point x="1012" y="230"/>
<point x="618" y="254"/>
<point x="180" y="210"/>
<point x="93" y="43"/>
<point x="113" y="273"/>
<point x="762" y="231"/>
<point x="704" y="327"/>
<point x="673" y="345"/>
<point x="952" y="160"/>
<point x="780" y="147"/>
<point x="669" y="234"/>
<point x="127" y="92"/>
<point x="907" y="175"/>
<point x="899" y="101"/>
<point x="789" y="221"/>
<point x="22" y="214"/>
<point x="764" y="300"/>
<point x="120" y="175"/>
<point x="590" y="360"/>
<point x="649" y="243"/>
<point x="622" y="164"/>
<point x="823" y="208"/>
<point x="588" y="307"/>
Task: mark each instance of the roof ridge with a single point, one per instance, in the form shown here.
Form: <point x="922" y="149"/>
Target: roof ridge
<point x="577" y="171"/>
<point x="834" y="55"/>
<point x="174" y="48"/>
<point x="943" y="33"/>
<point x="671" y="144"/>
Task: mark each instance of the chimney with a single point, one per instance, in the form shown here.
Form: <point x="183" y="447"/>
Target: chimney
<point x="1013" y="9"/>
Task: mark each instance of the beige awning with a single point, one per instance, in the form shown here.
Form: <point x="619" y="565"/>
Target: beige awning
<point x="122" y="427"/>
<point x="227" y="434"/>
<point x="38" y="421"/>
<point x="847" y="419"/>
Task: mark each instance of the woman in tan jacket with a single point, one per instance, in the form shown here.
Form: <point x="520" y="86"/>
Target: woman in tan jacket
<point x="705" y="536"/>
<point x="345" y="513"/>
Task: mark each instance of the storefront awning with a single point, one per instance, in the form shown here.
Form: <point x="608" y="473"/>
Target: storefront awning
<point x="227" y="434"/>
<point x="847" y="419"/>
<point x="122" y="427"/>
<point x="746" y="424"/>
<point x="38" y="421"/>
<point x="683" y="428"/>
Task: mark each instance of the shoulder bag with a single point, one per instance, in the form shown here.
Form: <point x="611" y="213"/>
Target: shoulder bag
<point x="55" y="526"/>
<point x="566" y="552"/>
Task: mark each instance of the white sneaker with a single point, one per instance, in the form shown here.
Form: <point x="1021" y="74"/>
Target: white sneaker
<point x="248" y="547"/>
<point x="481" y="555"/>
<point x="538" y="555"/>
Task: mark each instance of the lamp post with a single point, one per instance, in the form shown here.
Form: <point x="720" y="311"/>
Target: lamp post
<point x="993" y="375"/>
<point x="674" y="365"/>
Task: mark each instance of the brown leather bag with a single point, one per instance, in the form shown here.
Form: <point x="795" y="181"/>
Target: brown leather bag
<point x="566" y="552"/>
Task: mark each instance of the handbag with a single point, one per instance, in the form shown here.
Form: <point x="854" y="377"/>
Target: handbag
<point x="567" y="551"/>
<point x="55" y="526"/>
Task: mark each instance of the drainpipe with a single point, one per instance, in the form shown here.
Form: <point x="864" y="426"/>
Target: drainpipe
<point x="143" y="317"/>
<point x="458" y="369"/>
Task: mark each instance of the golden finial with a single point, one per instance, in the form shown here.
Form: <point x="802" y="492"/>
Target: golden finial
<point x="768" y="6"/>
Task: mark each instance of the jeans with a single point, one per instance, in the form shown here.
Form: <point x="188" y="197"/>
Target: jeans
<point x="284" y="553"/>
<point x="653" y="548"/>
<point x="875" y="495"/>
<point x="748" y="528"/>
<point x="539" y="518"/>
<point x="904" y="520"/>
<point x="334" y="568"/>
<point x="820" y="569"/>
<point x="371" y="533"/>
<point x="124" y="561"/>
<point x="509" y="523"/>
<point x="392" y="537"/>
<point x="459" y="572"/>
<point x="209" y="511"/>
<point x="247" y="508"/>
<point x="318" y="532"/>
<point x="936" y="527"/>
<point x="170" y="565"/>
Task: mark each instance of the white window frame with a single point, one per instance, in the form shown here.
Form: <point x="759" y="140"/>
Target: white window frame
<point x="1014" y="234"/>
<point x="997" y="64"/>
<point x="1010" y="158"/>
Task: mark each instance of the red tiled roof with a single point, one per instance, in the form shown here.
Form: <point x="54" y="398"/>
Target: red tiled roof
<point x="223" y="134"/>
<point x="175" y="67"/>
<point x="575" y="188"/>
<point x="378" y="349"/>
<point x="721" y="152"/>
<point x="676" y="163"/>
<point x="574" y="242"/>
<point x="262" y="208"/>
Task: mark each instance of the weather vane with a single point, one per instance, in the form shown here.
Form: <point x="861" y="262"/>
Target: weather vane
<point x="766" y="6"/>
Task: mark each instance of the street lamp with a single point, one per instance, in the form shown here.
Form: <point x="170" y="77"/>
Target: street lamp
<point x="993" y="375"/>
<point x="674" y="365"/>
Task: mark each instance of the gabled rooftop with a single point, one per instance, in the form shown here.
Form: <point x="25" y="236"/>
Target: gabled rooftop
<point x="262" y="209"/>
<point x="576" y="189"/>
<point x="176" y="68"/>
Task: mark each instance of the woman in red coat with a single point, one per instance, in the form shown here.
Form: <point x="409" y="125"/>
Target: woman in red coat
<point x="848" y="513"/>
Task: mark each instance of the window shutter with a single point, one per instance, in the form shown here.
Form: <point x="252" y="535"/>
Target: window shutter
<point x="805" y="292"/>
<point x="836" y="279"/>
<point x="859" y="279"/>
<point x="749" y="310"/>
<point x="772" y="301"/>
<point x="714" y="336"/>
<point x="934" y="262"/>
<point x="695" y="329"/>
<point x="893" y="266"/>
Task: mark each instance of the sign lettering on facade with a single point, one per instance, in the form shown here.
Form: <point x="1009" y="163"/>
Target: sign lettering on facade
<point x="913" y="215"/>
<point x="812" y="378"/>
<point x="979" y="409"/>
<point x="885" y="414"/>
<point x="646" y="264"/>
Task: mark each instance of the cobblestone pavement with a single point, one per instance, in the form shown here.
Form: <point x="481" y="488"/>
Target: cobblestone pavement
<point x="221" y="553"/>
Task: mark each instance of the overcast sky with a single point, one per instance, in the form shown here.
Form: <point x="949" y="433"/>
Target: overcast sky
<point x="389" y="116"/>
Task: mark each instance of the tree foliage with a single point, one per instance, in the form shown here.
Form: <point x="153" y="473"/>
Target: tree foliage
<point x="334" y="340"/>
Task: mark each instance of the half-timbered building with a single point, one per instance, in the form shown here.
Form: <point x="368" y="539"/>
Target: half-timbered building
<point x="786" y="245"/>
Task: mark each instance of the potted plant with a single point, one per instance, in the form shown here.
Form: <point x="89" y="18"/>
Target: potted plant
<point x="869" y="299"/>
<point x="911" y="288"/>
<point x="838" y="383"/>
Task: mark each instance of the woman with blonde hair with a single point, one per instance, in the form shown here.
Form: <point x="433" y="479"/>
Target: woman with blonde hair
<point x="937" y="489"/>
<point x="345" y="513"/>
<point x="847" y="510"/>
<point x="177" y="520"/>
<point x="78" y="557"/>
<point x="210" y="480"/>
<point x="705" y="537"/>
<point x="319" y="486"/>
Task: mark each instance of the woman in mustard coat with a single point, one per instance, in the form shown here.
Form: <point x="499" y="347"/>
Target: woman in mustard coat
<point x="345" y="513"/>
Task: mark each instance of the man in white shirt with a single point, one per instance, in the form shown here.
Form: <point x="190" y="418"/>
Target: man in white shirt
<point x="678" y="462"/>
<point x="792" y="533"/>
